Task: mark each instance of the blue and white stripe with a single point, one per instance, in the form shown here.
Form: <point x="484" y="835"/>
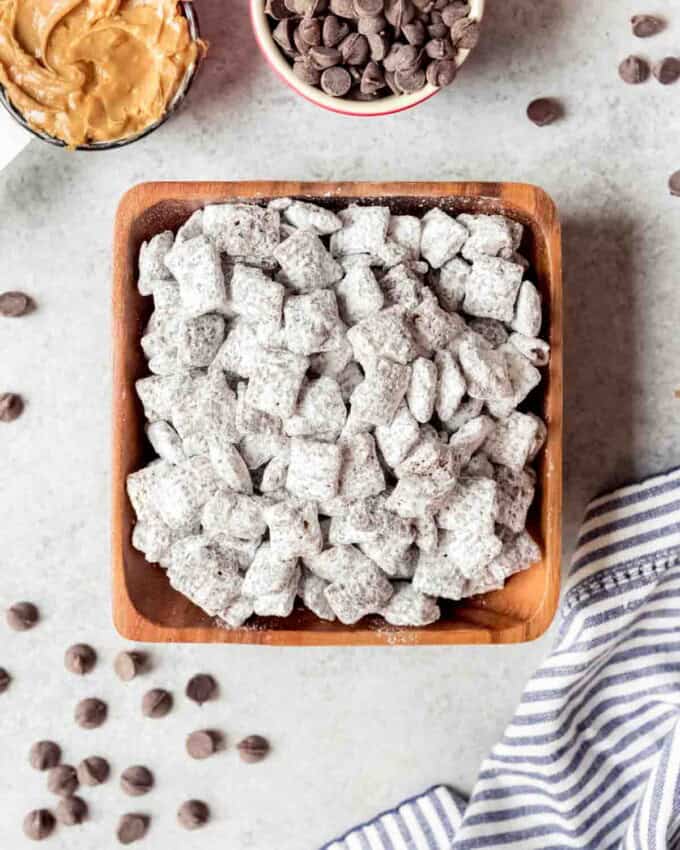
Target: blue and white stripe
<point x="591" y="759"/>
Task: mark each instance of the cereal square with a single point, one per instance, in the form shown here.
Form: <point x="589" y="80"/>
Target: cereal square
<point x="442" y="237"/>
<point x="197" y="266"/>
<point x="312" y="323"/>
<point x="242" y="230"/>
<point x="512" y="440"/>
<point x="305" y="262"/>
<point x="492" y="288"/>
<point x="379" y="395"/>
<point x="314" y="469"/>
<point x="275" y="385"/>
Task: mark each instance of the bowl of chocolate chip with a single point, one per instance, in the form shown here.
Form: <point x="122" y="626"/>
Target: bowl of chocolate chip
<point x="367" y="57"/>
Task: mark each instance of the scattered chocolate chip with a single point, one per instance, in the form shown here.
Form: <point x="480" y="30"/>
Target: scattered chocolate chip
<point x="39" y="824"/>
<point x="80" y="659"/>
<point x="454" y="12"/>
<point x="22" y="616"/>
<point x="11" y="407"/>
<point x="91" y="713"/>
<point x="645" y="26"/>
<point x="62" y="780"/>
<point x="667" y="71"/>
<point x="203" y="743"/>
<point x="201" y="688"/>
<point x="674" y="183"/>
<point x="71" y="811"/>
<point x="253" y="748"/>
<point x="15" y="304"/>
<point x="543" y="111"/>
<point x="193" y="814"/>
<point x="132" y="827"/>
<point x="93" y="770"/>
<point x="5" y="680"/>
<point x="136" y="780"/>
<point x="128" y="665"/>
<point x="336" y="82"/>
<point x="634" y="70"/>
<point x="156" y="703"/>
<point x="465" y="33"/>
<point x="441" y="73"/>
<point x="44" y="754"/>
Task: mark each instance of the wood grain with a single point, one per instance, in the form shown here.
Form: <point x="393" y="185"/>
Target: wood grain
<point x="146" y="608"/>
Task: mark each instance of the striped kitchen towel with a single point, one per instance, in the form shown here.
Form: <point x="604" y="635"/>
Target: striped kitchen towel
<point x="592" y="756"/>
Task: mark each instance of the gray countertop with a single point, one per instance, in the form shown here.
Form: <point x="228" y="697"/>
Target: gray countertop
<point x="353" y="730"/>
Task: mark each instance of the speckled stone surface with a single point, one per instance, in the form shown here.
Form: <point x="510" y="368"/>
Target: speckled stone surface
<point x="353" y="731"/>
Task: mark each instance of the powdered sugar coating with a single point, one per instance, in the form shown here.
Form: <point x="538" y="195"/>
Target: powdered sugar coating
<point x="310" y="362"/>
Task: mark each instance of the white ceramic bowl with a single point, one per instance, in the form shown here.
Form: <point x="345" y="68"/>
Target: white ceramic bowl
<point x="382" y="106"/>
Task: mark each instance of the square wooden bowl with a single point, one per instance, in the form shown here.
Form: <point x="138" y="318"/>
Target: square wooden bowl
<point x="146" y="608"/>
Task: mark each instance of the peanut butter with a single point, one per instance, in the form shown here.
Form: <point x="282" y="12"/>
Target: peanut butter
<point x="93" y="70"/>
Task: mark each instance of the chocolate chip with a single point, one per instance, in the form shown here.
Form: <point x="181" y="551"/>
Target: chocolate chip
<point x="354" y="49"/>
<point x="343" y="8"/>
<point x="465" y="33"/>
<point x="193" y="814"/>
<point x="5" y="680"/>
<point x="408" y="58"/>
<point x="39" y="824"/>
<point x="201" y="688"/>
<point x="667" y="71"/>
<point x="634" y="70"/>
<point x="93" y="770"/>
<point x="136" y="780"/>
<point x="202" y="744"/>
<point x="11" y="407"/>
<point x="22" y="616"/>
<point x="310" y="31"/>
<point x="674" y="184"/>
<point x="409" y="81"/>
<point x="390" y="61"/>
<point x="62" y="780"/>
<point x="284" y="34"/>
<point x="44" y="754"/>
<point x="128" y="665"/>
<point x="437" y="28"/>
<point x="415" y="33"/>
<point x="454" y="12"/>
<point x="389" y="79"/>
<point x="253" y="748"/>
<point x="300" y="45"/>
<point x="333" y="31"/>
<point x="277" y="9"/>
<point x="399" y="13"/>
<point x="645" y="26"/>
<point x="379" y="46"/>
<point x="80" y="659"/>
<point x="441" y="73"/>
<point x="15" y="304"/>
<point x="156" y="703"/>
<point x="372" y="25"/>
<point x="71" y="811"/>
<point x="132" y="827"/>
<point x="325" y="57"/>
<point x="336" y="82"/>
<point x="91" y="713"/>
<point x="305" y="70"/>
<point x="440" y="48"/>
<point x="369" y="8"/>
<point x="543" y="111"/>
<point x="372" y="79"/>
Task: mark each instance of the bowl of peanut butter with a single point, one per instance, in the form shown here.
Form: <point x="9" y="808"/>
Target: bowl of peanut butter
<point x="96" y="74"/>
